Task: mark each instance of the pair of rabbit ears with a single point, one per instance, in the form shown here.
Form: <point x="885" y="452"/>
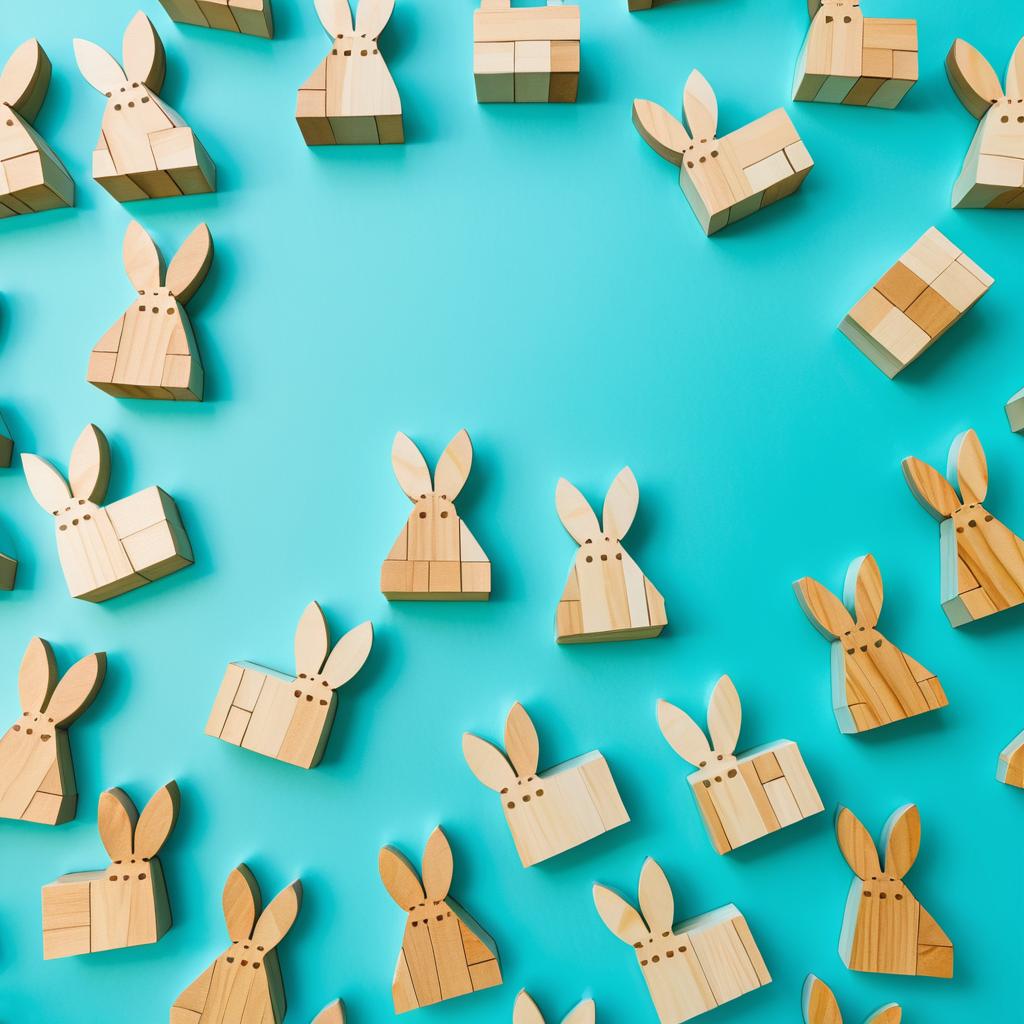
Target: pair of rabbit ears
<point x="620" y="505"/>
<point x="665" y="134"/>
<point x="830" y="616"/>
<point x="371" y="17"/>
<point x="241" y="902"/>
<point x="88" y="473"/>
<point x="933" y="490"/>
<point x="332" y="1013"/>
<point x="656" y="902"/>
<point x="525" y="1011"/>
<point x="820" y="1006"/>
<point x="451" y="473"/>
<point x="407" y="888"/>
<point x="498" y="770"/>
<point x="189" y="267"/>
<point x="974" y="80"/>
<point x="144" y="59"/>
<point x="25" y="79"/>
<point x="125" y="833"/>
<point x="687" y="738"/>
<point x="314" y="655"/>
<point x="901" y="838"/>
<point x="40" y="692"/>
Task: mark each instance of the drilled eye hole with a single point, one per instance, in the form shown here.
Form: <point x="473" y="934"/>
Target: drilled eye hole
<point x="851" y="650"/>
<point x="732" y="773"/>
<point x="878" y="643"/>
<point x="604" y="558"/>
<point x="988" y="519"/>
<point x="1005" y="118"/>
<point x="828" y="19"/>
<point x="689" y="163"/>
<point x="959" y="529"/>
<point x="444" y="515"/>
<point x="847" y="20"/>
<point x="298" y="693"/>
<point x="423" y="515"/>
<point x="703" y="764"/>
<point x="707" y="783"/>
<point x="590" y="558"/>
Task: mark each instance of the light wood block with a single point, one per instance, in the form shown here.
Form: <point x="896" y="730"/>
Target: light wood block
<point x="526" y="1011"/>
<point x="445" y="953"/>
<point x="982" y="561"/>
<point x="820" y="1006"/>
<point x="126" y="904"/>
<point x="885" y="929"/>
<point x="691" y="967"/>
<point x="249" y="17"/>
<point x="145" y="150"/>
<point x="244" y="984"/>
<point x="1011" y="763"/>
<point x="873" y="682"/>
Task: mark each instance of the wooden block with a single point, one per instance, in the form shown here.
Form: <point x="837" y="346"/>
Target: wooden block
<point x="526" y="1011"/>
<point x="6" y="445"/>
<point x="1015" y="412"/>
<point x="8" y="572"/>
<point x="900" y="285"/>
<point x="734" y="786"/>
<point x="445" y="953"/>
<point x="1011" y="763"/>
<point x="932" y="313"/>
<point x="691" y="967"/>
<point x="820" y="1006"/>
<point x="494" y="71"/>
<point x="250" y="17"/>
<point x="547" y="812"/>
<point x="884" y="925"/>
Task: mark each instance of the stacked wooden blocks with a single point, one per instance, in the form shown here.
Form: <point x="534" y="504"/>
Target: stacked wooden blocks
<point x="250" y="17"/>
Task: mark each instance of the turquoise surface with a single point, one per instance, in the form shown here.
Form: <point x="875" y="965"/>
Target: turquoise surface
<point x="532" y="274"/>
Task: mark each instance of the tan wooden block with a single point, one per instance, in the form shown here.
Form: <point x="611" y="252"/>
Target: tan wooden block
<point x="890" y="33"/>
<point x="493" y="71"/>
<point x="930" y="255"/>
<point x="251" y="17"/>
<point x="476" y="578"/>
<point x="883" y="332"/>
<point x="235" y="726"/>
<point x="905" y="65"/>
<point x="863" y="92"/>
<point x="767" y="766"/>
<point x="932" y="313"/>
<point x="877" y="63"/>
<point x="768" y="172"/>
<point x="900" y="285"/>
<point x="959" y="287"/>
<point x="445" y="577"/>
<point x="1011" y="763"/>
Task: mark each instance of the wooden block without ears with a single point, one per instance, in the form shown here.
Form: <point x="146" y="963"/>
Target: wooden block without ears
<point x="444" y="953"/>
<point x="145" y="149"/>
<point x="606" y="597"/>
<point x="885" y="929"/>
<point x="547" y="812"/>
<point x="724" y="179"/>
<point x="106" y="550"/>
<point x="290" y="717"/>
<point x="526" y="1011"/>
<point x="244" y="984"/>
<point x="873" y="682"/>
<point x="435" y="558"/>
<point x="1011" y="763"/>
<point x="820" y="1006"/>
<point x="982" y="560"/>
<point x="249" y="17"/>
<point x="37" y="776"/>
<point x="740" y="798"/>
<point x="125" y="905"/>
<point x="691" y="967"/>
<point x="32" y="178"/>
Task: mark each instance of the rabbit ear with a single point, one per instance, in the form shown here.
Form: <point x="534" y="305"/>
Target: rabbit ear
<point x="48" y="487"/>
<point x="864" y="590"/>
<point x="143" y="53"/>
<point x="700" y="107"/>
<point x="656" y="901"/>
<point x="98" y="68"/>
<point x="621" y="919"/>
<point x="142" y="260"/>
<point x="77" y="689"/>
<point x="620" y="505"/>
<point x="971" y="468"/>
<point x="487" y="763"/>
<point x="724" y="716"/>
<point x="1015" y="73"/>
<point x="972" y="77"/>
<point x="819" y="1004"/>
<point x="116" y="821"/>
<point x="813" y="6"/>
<point x="372" y="16"/>
<point x="89" y="468"/>
<point x="37" y="675"/>
<point x="525" y="1010"/>
<point x="157" y="820"/>
<point x="400" y="878"/>
<point x="521" y="743"/>
<point x="25" y="79"/>
<point x="823" y="608"/>
<point x="930" y="488"/>
<point x="312" y="641"/>
<point x="278" y="917"/>
<point x="857" y="846"/>
<point x="661" y="131"/>
<point x="901" y="838"/>
<point x="575" y="512"/>
<point x="584" y="1013"/>
<point x="349" y="655"/>
<point x="241" y="903"/>
<point x="332" y="1013"/>
<point x="438" y="866"/>
<point x="335" y="16"/>
<point x="889" y="1014"/>
<point x="454" y="465"/>
<point x="190" y="264"/>
<point x="684" y="735"/>
<point x="410" y="468"/>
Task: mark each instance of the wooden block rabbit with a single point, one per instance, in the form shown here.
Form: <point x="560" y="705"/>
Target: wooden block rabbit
<point x="351" y="98"/>
<point x="290" y="717"/>
<point x="874" y="683"/>
<point x="126" y="904"/>
<point x="250" y="17"/>
<point x="885" y="929"/>
<point x="691" y="967"/>
<point x="820" y="1006"/>
<point x="32" y="178"/>
<point x="993" y="171"/>
<point x="861" y="62"/>
<point x="244" y="984"/>
<point x="444" y="953"/>
<point x="106" y="550"/>
<point x="145" y="149"/>
<point x="741" y="798"/>
<point x="606" y="597"/>
<point x="547" y="812"/>
<point x="526" y="1011"/>
<point x="435" y="558"/>
<point x="333" y="1013"/>
<point x="724" y="179"/>
<point x="37" y="776"/>
<point x="150" y="352"/>
<point x="982" y="561"/>
<point x="1011" y="763"/>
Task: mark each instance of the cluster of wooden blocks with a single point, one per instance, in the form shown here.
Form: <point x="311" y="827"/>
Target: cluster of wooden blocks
<point x="250" y="17"/>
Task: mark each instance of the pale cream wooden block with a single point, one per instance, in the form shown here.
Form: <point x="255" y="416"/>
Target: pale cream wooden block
<point x="250" y="17"/>
<point x="820" y="1006"/>
<point x="1015" y="412"/>
<point x="1011" y="763"/>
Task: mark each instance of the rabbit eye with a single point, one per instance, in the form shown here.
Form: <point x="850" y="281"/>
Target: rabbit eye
<point x="590" y="558"/>
<point x="589" y="541"/>
<point x="540" y="792"/>
<point x="302" y="675"/>
<point x="959" y="529"/>
<point x="323" y="703"/>
<point x="423" y="515"/>
<point x="851" y="650"/>
<point x="703" y="764"/>
<point x="444" y="515"/>
<point x="511" y="804"/>
<point x="847" y="20"/>
<point x="732" y="773"/>
<point x="828" y="19"/>
<point x="719" y="757"/>
<point x="972" y="523"/>
<point x="988" y="519"/>
<point x="298" y="693"/>
<point x="689" y="163"/>
<point x="878" y="643"/>
<point x="718" y="778"/>
<point x="707" y="783"/>
<point x="323" y="682"/>
<point x="604" y="558"/>
<point x="1005" y="118"/>
<point x="526" y="798"/>
<point x="899" y="895"/>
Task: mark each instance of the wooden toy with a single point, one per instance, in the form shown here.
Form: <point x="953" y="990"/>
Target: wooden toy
<point x="126" y="904"/>
<point x="244" y="984"/>
<point x="106" y="550"/>
<point x="250" y="17"/>
<point x="820" y="1006"/>
<point x="915" y="302"/>
<point x="435" y="558"/>
<point x="606" y="597"/>
<point x="8" y="572"/>
<point x="333" y="1013"/>
<point x="37" y="776"/>
<point x="6" y="445"/>
<point x="982" y="561"/>
<point x="290" y="717"/>
<point x="874" y="683"/>
<point x="885" y="929"/>
<point x="1015" y="412"/>
<point x="547" y="812"/>
<point x="145" y="149"/>
<point x="861" y="62"/>
<point x="993" y="171"/>
<point x="445" y="953"/>
<point x="691" y="967"/>
<point x="1011" y="763"/>
<point x="526" y="1011"/>
<point x="740" y="798"/>
<point x="724" y="179"/>
<point x="151" y="351"/>
<point x="32" y="178"/>
<point x="526" y="54"/>
<point x="351" y="98"/>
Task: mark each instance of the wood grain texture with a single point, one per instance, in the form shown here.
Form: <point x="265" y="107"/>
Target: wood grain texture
<point x="249" y="17"/>
<point x="820" y="1006"/>
<point x="1010" y="768"/>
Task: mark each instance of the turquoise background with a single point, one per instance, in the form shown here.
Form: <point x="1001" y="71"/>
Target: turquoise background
<point x="535" y="275"/>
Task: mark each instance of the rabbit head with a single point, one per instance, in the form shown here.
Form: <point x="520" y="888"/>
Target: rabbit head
<point x="88" y="472"/>
<point x="525" y="1011"/>
<point x="449" y="477"/>
<point x="977" y="85"/>
<point x="666" y="135"/>
<point x="134" y="85"/>
<point x="160" y="294"/>
<point x="254" y="935"/>
<point x="23" y="83"/>
<point x="371" y="17"/>
<point x="131" y="839"/>
<point x="901" y="838"/>
<point x="319" y="669"/>
<point x="715" y="761"/>
<point x="597" y="543"/>
<point x="517" y="781"/>
<point x="820" y="1006"/>
<point x="835" y="10"/>
<point x="423" y="899"/>
<point x="936" y="494"/>
<point x="650" y="935"/>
